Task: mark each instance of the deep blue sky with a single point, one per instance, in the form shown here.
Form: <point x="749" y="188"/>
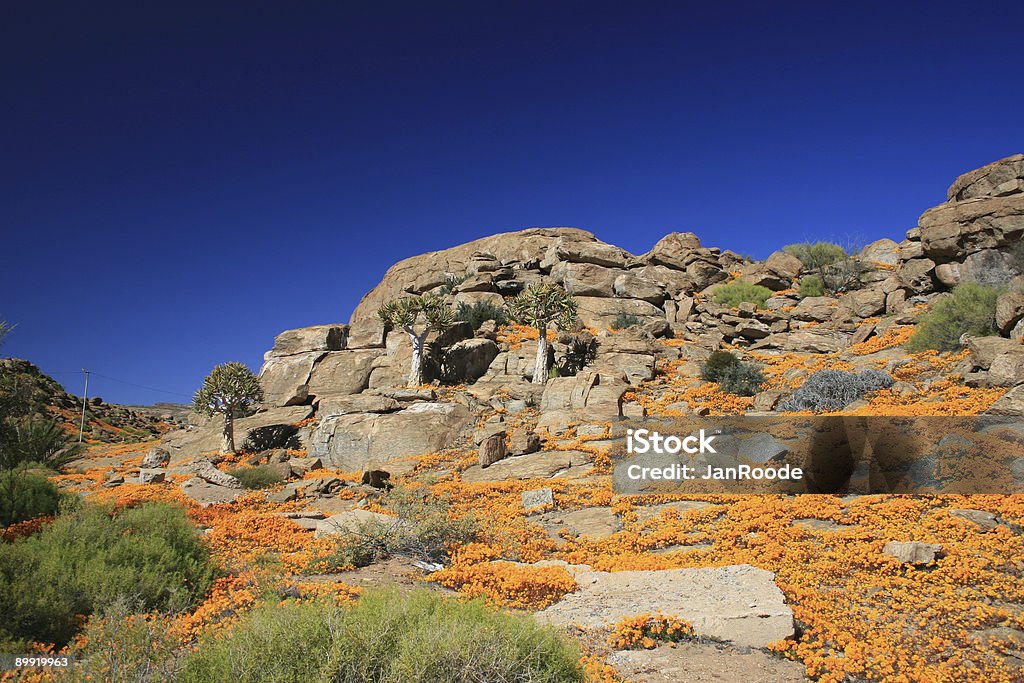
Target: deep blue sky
<point x="180" y="184"/>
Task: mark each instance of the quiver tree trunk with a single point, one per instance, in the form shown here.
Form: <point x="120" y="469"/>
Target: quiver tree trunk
<point x="540" y="364"/>
<point x="416" y="369"/>
<point x="229" y="431"/>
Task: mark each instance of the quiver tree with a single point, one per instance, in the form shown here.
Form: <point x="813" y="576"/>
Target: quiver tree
<point x="538" y="306"/>
<point x="5" y="329"/>
<point x="231" y="390"/>
<point x="417" y="317"/>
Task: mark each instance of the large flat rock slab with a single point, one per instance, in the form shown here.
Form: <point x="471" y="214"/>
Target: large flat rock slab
<point x="262" y="431"/>
<point x="542" y="465"/>
<point x="737" y="603"/>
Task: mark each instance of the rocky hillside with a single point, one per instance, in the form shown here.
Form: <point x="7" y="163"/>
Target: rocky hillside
<point x="838" y="587"/>
<point x="33" y="393"/>
<point x="344" y="383"/>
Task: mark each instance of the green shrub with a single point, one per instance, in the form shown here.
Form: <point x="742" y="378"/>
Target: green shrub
<point x="743" y="380"/>
<point x="971" y="309"/>
<point x="816" y="256"/>
<point x="258" y="477"/>
<point x="151" y="556"/>
<point x="39" y="441"/>
<point x="732" y="375"/>
<point x="718" y="365"/>
<point x="480" y="312"/>
<point x="385" y="637"/>
<point x="811" y="285"/>
<point x="740" y="291"/>
<point x="121" y="646"/>
<point x="25" y="495"/>
<point x="423" y="528"/>
<point x="836" y="269"/>
<point x="625" y="320"/>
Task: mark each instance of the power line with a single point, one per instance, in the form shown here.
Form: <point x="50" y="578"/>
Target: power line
<point x="120" y="381"/>
<point x="141" y="386"/>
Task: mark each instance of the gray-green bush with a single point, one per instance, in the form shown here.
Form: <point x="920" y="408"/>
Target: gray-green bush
<point x="732" y="375"/>
<point x="385" y="637"/>
<point x="829" y="390"/>
<point x="741" y="291"/>
<point x="811" y="285"/>
<point x="480" y="312"/>
<point x="625" y="320"/>
<point x="817" y="255"/>
<point x="258" y="477"/>
<point x="970" y="309"/>
<point x="151" y="556"/>
<point x="422" y="527"/>
<point x="25" y="494"/>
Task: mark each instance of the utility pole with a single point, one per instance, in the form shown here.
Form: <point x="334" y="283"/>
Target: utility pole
<point x="85" y="400"/>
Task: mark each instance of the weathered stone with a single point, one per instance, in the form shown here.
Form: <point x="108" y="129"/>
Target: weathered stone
<point x="738" y="603"/>
<point x="349" y="442"/>
<point x="1009" y="311"/>
<point x="350" y="521"/>
<point x="266" y="429"/>
<point x="896" y="301"/>
<point x="340" y="373"/>
<point x="913" y="552"/>
<point x="158" y="456"/>
<point x="303" y="340"/>
<point x="427" y="271"/>
<point x="468" y="360"/>
<point x="357" y="403"/>
<point x="597" y="395"/>
<point x="984" y="350"/>
<point x="301" y="466"/>
<point x="597" y="253"/>
<point x="1000" y="178"/>
<point x="542" y="465"/>
<point x="596" y="522"/>
<point x="784" y="265"/>
<point x="524" y="441"/>
<point x="884" y="251"/>
<point x="1007" y="369"/>
<point x="637" y="367"/>
<point x="537" y="497"/>
<point x="205" y="470"/>
<point x="916" y="275"/>
<point x="601" y="312"/>
<point x="151" y="476"/>
<point x="980" y="518"/>
<point x="821" y="341"/>
<point x="492" y="449"/>
<point x="285" y="379"/>
<point x="378" y="479"/>
<point x="206" y="494"/>
<point x="587" y="279"/>
<point x="814" y="309"/>
<point x="704" y="274"/>
<point x="767" y="400"/>
<point x="954" y="229"/>
<point x="632" y="286"/>
<point x="993" y="267"/>
<point x="948" y="274"/>
<point x="674" y="250"/>
<point x="410" y="394"/>
<point x="864" y="303"/>
<point x="752" y="329"/>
